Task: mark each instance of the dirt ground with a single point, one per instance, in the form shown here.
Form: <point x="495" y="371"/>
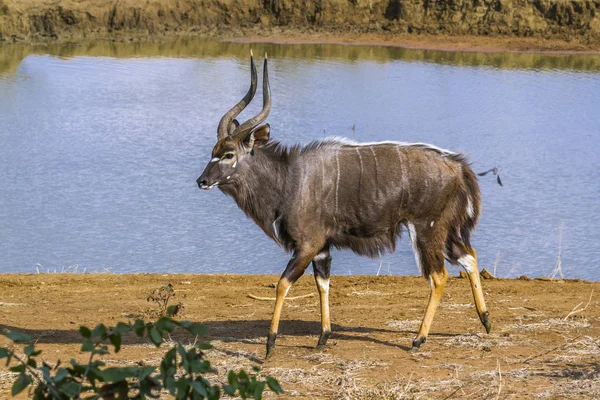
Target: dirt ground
<point x="538" y="345"/>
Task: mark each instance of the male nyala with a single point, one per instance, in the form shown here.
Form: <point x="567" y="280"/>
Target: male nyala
<point x="335" y="193"/>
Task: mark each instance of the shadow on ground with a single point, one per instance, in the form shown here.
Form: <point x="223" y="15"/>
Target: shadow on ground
<point x="237" y="331"/>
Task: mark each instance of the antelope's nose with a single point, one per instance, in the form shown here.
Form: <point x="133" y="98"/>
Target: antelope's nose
<point x="202" y="183"/>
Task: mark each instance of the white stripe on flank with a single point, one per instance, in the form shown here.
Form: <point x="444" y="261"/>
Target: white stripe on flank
<point x="470" y="210"/>
<point x="413" y="239"/>
<point x="404" y="178"/>
<point x="376" y="172"/>
<point x="361" y="163"/>
<point x="375" y="157"/>
<point x="468" y="263"/>
<point x="337" y="181"/>
<point x="321" y="256"/>
<point x="322" y="178"/>
<point x="276" y="228"/>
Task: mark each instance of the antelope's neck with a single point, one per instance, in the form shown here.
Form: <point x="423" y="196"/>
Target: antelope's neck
<point x="259" y="189"/>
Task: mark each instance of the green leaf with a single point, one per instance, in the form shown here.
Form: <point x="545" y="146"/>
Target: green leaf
<point x="85" y="332"/>
<point x="274" y="385"/>
<point x="115" y="339"/>
<point x="71" y="389"/>
<point x="182" y="388"/>
<point x="169" y="384"/>
<point x="87" y="346"/>
<point x="165" y="324"/>
<point x="122" y="329"/>
<point x="214" y="393"/>
<point x="99" y="331"/>
<point x="102" y="350"/>
<point x="23" y="380"/>
<point x="204" y="346"/>
<point x="18" y="337"/>
<point x="230" y="390"/>
<point x="258" y="390"/>
<point x="60" y="374"/>
<point x="31" y="362"/>
<point x="155" y="336"/>
<point x="139" y="327"/>
<point x="118" y="374"/>
<point x="232" y="379"/>
<point x="29" y="349"/>
<point x="46" y="373"/>
<point x="18" y="368"/>
<point x="194" y="328"/>
<point x="4" y="353"/>
<point x="199" y="388"/>
<point x="242" y="375"/>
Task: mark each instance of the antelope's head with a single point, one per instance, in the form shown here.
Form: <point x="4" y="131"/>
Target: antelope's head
<point x="236" y="143"/>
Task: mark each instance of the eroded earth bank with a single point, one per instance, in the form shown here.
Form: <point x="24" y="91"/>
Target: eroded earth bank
<point x="461" y="24"/>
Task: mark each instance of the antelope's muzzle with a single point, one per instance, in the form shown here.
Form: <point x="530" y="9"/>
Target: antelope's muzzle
<point x="209" y="178"/>
<point x="203" y="183"/>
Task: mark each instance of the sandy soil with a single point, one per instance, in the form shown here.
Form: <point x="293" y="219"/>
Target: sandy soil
<point x="536" y="347"/>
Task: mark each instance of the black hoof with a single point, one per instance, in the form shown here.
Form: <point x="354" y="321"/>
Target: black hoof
<point x="417" y="343"/>
<point x="485" y="320"/>
<point x="323" y="340"/>
<point x="270" y="344"/>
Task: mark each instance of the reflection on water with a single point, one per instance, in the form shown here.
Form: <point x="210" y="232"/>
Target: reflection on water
<point x="11" y="55"/>
<point x="101" y="144"/>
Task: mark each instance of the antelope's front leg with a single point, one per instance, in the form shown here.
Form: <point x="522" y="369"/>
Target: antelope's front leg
<point x="322" y="269"/>
<point x="294" y="270"/>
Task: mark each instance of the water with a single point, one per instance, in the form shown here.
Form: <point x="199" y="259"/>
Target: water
<point x="101" y="144"/>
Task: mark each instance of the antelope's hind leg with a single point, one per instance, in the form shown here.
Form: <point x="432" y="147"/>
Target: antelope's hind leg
<point x="437" y="281"/>
<point x="322" y="268"/>
<point x="431" y="261"/>
<point x="469" y="262"/>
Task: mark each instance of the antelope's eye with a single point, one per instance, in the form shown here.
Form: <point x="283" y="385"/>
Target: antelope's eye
<point x="228" y="156"/>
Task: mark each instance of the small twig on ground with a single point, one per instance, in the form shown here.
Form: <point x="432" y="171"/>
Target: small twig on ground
<point x="499" y="380"/>
<point x="273" y="298"/>
<point x="379" y="270"/>
<point x="578" y="310"/>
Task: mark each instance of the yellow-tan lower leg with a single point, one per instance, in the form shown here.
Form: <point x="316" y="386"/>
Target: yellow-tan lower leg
<point x="323" y="287"/>
<point x="438" y="283"/>
<point x="469" y="263"/>
<point x="283" y="286"/>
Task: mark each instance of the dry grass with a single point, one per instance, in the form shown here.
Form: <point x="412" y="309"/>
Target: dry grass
<point x="405" y="324"/>
<point x="478" y="341"/>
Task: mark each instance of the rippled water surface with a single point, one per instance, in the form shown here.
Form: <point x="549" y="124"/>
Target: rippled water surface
<point x="101" y="143"/>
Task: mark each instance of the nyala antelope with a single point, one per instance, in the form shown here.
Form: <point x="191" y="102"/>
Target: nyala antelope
<point x="334" y="193"/>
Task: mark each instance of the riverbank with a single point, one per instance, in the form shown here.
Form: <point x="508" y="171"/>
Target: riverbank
<point x="538" y="346"/>
<point x="502" y="25"/>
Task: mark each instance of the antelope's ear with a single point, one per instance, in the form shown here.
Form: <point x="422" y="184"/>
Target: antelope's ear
<point x="260" y="136"/>
<point x="232" y="126"/>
